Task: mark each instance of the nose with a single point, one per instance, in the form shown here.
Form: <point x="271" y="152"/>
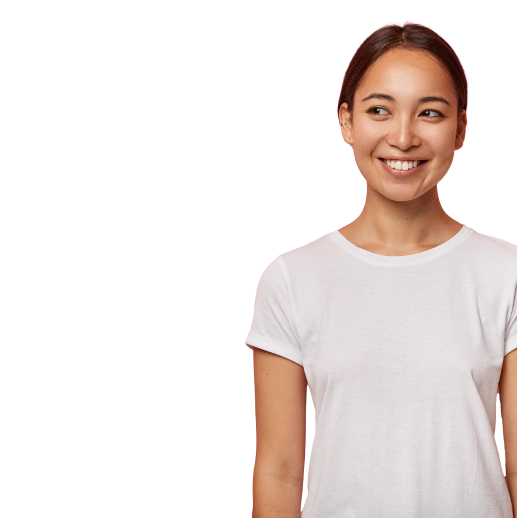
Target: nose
<point x="403" y="134"/>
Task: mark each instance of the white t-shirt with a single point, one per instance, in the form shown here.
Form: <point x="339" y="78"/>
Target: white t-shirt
<point x="403" y="357"/>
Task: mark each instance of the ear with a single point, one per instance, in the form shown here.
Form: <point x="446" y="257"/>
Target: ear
<point x="461" y="130"/>
<point x="345" y="120"/>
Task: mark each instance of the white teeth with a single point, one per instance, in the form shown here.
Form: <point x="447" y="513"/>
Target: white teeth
<point x="402" y="165"/>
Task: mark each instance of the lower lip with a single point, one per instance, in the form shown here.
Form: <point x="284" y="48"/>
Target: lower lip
<point x="399" y="172"/>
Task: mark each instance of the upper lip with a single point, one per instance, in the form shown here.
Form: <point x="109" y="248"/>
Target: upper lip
<point x="401" y="158"/>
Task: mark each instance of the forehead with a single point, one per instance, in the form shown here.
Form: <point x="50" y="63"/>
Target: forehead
<point x="407" y="74"/>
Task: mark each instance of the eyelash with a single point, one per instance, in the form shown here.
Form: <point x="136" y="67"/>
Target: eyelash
<point x="379" y="108"/>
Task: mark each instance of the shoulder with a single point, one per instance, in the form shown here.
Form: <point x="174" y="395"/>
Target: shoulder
<point x="493" y="249"/>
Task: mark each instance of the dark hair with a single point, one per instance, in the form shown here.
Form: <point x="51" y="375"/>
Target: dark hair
<point x="410" y="36"/>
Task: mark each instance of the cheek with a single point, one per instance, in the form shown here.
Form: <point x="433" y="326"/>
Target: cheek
<point x="367" y="136"/>
<point x="442" y="141"/>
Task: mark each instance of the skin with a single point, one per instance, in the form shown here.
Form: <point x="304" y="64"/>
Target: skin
<point x="403" y="216"/>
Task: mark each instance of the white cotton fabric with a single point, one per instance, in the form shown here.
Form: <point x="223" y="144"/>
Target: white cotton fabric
<point x="402" y="356"/>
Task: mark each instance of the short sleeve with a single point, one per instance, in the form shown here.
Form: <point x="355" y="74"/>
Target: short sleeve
<point x="272" y="327"/>
<point x="510" y="338"/>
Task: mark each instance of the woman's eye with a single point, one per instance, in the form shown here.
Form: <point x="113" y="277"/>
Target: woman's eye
<point x="375" y="110"/>
<point x="432" y="111"/>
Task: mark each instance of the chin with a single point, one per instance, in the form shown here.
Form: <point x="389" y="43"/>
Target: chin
<point x="400" y="193"/>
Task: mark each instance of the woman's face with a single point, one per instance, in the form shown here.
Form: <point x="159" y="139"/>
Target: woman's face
<point x="404" y="110"/>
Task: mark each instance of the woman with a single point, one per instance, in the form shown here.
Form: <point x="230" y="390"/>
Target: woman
<point x="398" y="322"/>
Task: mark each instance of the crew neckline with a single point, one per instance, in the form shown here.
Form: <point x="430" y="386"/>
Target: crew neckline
<point x="402" y="260"/>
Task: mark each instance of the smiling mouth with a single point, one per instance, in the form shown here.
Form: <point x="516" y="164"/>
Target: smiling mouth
<point x="403" y="165"/>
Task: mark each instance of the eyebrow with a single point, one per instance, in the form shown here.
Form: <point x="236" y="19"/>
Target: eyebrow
<point x="428" y="99"/>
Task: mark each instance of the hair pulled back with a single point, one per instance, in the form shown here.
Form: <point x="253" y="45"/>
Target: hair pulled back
<point x="409" y="36"/>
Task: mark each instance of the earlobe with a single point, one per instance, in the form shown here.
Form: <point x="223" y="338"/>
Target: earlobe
<point x="345" y="123"/>
<point x="347" y="133"/>
<point x="462" y="129"/>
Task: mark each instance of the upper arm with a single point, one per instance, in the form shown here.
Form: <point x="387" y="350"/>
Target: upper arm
<point x="508" y="399"/>
<point x="280" y="409"/>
